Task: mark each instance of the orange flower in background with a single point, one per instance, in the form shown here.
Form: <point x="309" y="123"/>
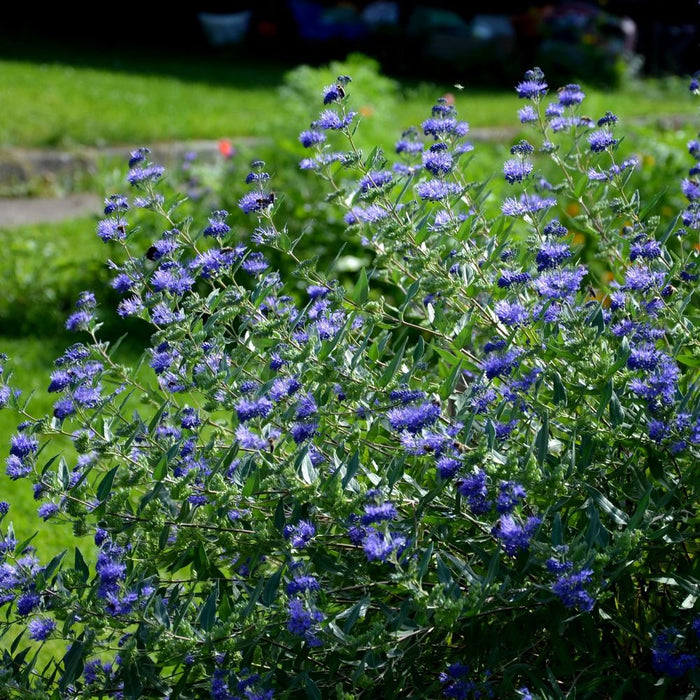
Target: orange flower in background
<point x="573" y="208"/>
<point x="226" y="148"/>
<point x="366" y="111"/>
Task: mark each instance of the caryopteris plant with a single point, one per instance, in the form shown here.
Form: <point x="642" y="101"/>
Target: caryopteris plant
<point x="473" y="474"/>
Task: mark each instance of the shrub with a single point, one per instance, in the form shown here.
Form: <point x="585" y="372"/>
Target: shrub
<point x="473" y="472"/>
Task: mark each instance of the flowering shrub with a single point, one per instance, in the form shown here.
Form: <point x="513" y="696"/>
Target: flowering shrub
<point x="474" y="473"/>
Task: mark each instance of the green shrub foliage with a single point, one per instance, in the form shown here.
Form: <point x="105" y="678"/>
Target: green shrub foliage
<point x="470" y="469"/>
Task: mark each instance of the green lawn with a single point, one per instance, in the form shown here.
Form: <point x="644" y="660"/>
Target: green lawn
<point x="60" y="98"/>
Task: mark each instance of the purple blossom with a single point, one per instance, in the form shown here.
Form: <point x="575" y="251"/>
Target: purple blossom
<point x="527" y="114"/>
<point x="149" y="173"/>
<point x="500" y="364"/>
<point x="571" y="95"/>
<point x="534" y="85"/>
<point x="375" y="178"/>
<point x="666" y="656"/>
<point x="311" y="138"/>
<point x="473" y="487"/>
<point x="527" y="204"/>
<point x="601" y="139"/>
<point x="40" y="629"/>
<point x="516" y="170"/>
<point x="22" y="445"/>
<point x="47" y="510"/>
<point x="366" y="215"/>
<point x="328" y="119"/>
<point x="301" y="432"/>
<point x="515" y="536"/>
<point x="378" y="513"/>
<point x="303" y="621"/>
<point x="569" y="587"/>
<point x="436" y="190"/>
<point x="217" y="225"/>
<point x="413" y="418"/>
<point x="511" y="313"/>
<point x="510" y="493"/>
<point x="379" y="546"/>
<point x="303" y="584"/>
<point x="437" y="162"/>
<point x="299" y="535"/>
<point x="551" y="255"/>
<point x="560" y="283"/>
<point x="510" y="277"/>
<point x="247" y="409"/>
<point x="447" y="467"/>
<point x="248" y="440"/>
<point x="112" y="229"/>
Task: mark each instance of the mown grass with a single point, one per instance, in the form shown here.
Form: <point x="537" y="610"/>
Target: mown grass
<point x="62" y="100"/>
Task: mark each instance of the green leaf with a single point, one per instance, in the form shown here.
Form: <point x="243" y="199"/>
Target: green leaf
<point x="105" y="486"/>
<point x="542" y="440"/>
<point x="351" y="470"/>
<point x="354" y="613"/>
<point x="617" y="413"/>
<point x="642" y="506"/>
<point x="448" y="386"/>
<point x="81" y="567"/>
<point x="605" y="396"/>
<point x="559" y="390"/>
<point x="618" y="516"/>
<point x="207" y="615"/>
<point x="279" y="518"/>
<point x="269" y="592"/>
<point x="72" y="663"/>
<point x="390" y="371"/>
<point x="161" y="469"/>
<point x="361" y="292"/>
<point x="312" y="690"/>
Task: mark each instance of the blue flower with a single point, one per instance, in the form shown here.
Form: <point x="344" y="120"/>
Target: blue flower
<point x="436" y="190"/>
<point x="23" y="445"/>
<point x="413" y="418"/>
<point x="511" y="313"/>
<point x="303" y="431"/>
<point x="437" y="162"/>
<point x="379" y="513"/>
<point x="46" y="510"/>
<point x="601" y="139"/>
<point x="551" y="255"/>
<point x="379" y="546"/>
<point x="303" y="621"/>
<point x="300" y="534"/>
<point x="666" y="656"/>
<point x="515" y="536"/>
<point x="375" y="179"/>
<point x="571" y="95"/>
<point x="473" y="488"/>
<point x="247" y="409"/>
<point x="112" y="229"/>
<point x="570" y="589"/>
<point x="500" y="364"/>
<point x="217" y="224"/>
<point x="248" y="440"/>
<point x="560" y="283"/>
<point x="534" y="85"/>
<point x="516" y="170"/>
<point x="40" y="629"/>
<point x="311" y="138"/>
